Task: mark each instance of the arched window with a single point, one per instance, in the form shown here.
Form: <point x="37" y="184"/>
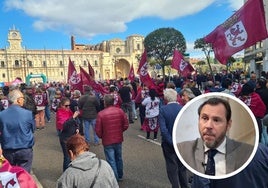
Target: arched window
<point x="30" y="63"/>
<point x="44" y="63"/>
<point x="2" y="64"/>
<point x="96" y="63"/>
<point x="138" y="47"/>
<point x="85" y="63"/>
<point x="17" y="63"/>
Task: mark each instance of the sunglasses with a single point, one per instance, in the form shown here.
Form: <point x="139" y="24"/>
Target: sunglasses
<point x="67" y="105"/>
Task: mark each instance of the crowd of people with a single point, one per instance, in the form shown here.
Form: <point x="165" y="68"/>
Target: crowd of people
<point x="109" y="115"/>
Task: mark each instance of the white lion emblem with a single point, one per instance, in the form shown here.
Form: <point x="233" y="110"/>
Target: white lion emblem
<point x="236" y="35"/>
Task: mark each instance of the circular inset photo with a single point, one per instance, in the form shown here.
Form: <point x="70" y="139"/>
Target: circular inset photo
<point x="215" y="135"/>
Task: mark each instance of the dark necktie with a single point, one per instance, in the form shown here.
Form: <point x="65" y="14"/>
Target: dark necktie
<point x="210" y="170"/>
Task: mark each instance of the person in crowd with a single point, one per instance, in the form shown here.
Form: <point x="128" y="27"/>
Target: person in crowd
<point x="56" y="100"/>
<point x="29" y="102"/>
<point x="46" y="102"/>
<point x="134" y="92"/>
<point x="159" y="88"/>
<point x="175" y="170"/>
<point x="2" y="101"/>
<point x="125" y="94"/>
<point x="262" y="90"/>
<point x="150" y="123"/>
<point x="74" y="98"/>
<point x="254" y="102"/>
<point x="51" y="92"/>
<point x="253" y="79"/>
<point x="214" y="121"/>
<point x="67" y="124"/>
<point x="17" y="126"/>
<point x="227" y="86"/>
<point x="186" y="95"/>
<point x="85" y="170"/>
<point x="90" y="106"/>
<point x="39" y="100"/>
<point x="142" y="94"/>
<point x="111" y="123"/>
<point x="117" y="98"/>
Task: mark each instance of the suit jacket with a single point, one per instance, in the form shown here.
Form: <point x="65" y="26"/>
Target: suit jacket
<point x="167" y="116"/>
<point x="237" y="153"/>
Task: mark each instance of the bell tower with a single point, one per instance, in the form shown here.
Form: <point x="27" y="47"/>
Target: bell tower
<point x="14" y="39"/>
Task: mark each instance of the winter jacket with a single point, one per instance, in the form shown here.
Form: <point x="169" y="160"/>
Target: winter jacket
<point x="90" y="106"/>
<point x="62" y="115"/>
<point x="82" y="170"/>
<point x="110" y="125"/>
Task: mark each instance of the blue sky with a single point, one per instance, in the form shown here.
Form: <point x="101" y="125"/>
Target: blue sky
<point x="50" y="23"/>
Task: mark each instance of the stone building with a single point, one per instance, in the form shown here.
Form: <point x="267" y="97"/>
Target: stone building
<point x="109" y="59"/>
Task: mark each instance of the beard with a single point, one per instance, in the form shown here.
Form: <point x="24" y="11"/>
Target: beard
<point x="212" y="144"/>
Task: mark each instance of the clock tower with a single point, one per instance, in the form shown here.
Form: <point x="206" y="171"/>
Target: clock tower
<point x="14" y="39"/>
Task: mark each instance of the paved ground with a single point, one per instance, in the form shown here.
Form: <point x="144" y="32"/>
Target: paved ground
<point x="144" y="165"/>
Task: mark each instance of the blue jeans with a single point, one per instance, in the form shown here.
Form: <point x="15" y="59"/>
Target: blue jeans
<point x="47" y="112"/>
<point x="87" y="125"/>
<point x="66" y="158"/>
<point x="20" y="157"/>
<point x="113" y="154"/>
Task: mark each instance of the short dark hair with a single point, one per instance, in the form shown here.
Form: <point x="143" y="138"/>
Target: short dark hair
<point x="215" y="101"/>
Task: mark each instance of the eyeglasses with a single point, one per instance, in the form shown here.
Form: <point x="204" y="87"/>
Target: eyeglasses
<point x="67" y="105"/>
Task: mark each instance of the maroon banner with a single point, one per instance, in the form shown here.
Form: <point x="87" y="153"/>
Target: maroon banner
<point x="131" y="75"/>
<point x="15" y="176"/>
<point x="178" y="63"/>
<point x="242" y="30"/>
<point x="74" y="78"/>
<point x="91" y="71"/>
<point x="143" y="71"/>
<point x="87" y="80"/>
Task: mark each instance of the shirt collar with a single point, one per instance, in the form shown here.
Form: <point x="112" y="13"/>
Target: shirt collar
<point x="221" y="148"/>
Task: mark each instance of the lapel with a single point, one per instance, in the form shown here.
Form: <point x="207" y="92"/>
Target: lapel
<point x="199" y="156"/>
<point x="230" y="155"/>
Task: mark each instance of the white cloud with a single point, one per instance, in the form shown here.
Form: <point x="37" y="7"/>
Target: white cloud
<point x="89" y="18"/>
<point x="235" y="4"/>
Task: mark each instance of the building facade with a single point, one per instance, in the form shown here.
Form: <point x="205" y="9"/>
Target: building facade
<point x="109" y="59"/>
<point x="256" y="56"/>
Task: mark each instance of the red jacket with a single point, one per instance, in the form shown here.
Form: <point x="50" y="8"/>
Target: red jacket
<point x="110" y="125"/>
<point x="62" y="115"/>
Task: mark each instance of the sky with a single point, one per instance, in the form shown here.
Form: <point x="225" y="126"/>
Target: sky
<point x="49" y="24"/>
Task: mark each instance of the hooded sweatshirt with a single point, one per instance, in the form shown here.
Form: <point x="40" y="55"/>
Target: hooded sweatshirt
<point x="82" y="170"/>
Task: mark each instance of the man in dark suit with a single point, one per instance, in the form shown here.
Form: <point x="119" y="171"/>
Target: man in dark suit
<point x="16" y="132"/>
<point x="214" y="122"/>
<point x="175" y="170"/>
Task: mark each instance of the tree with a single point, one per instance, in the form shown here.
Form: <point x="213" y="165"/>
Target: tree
<point x="229" y="63"/>
<point x="160" y="45"/>
<point x="206" y="48"/>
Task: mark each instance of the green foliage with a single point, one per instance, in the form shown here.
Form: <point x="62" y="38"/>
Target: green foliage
<point x="160" y="45"/>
